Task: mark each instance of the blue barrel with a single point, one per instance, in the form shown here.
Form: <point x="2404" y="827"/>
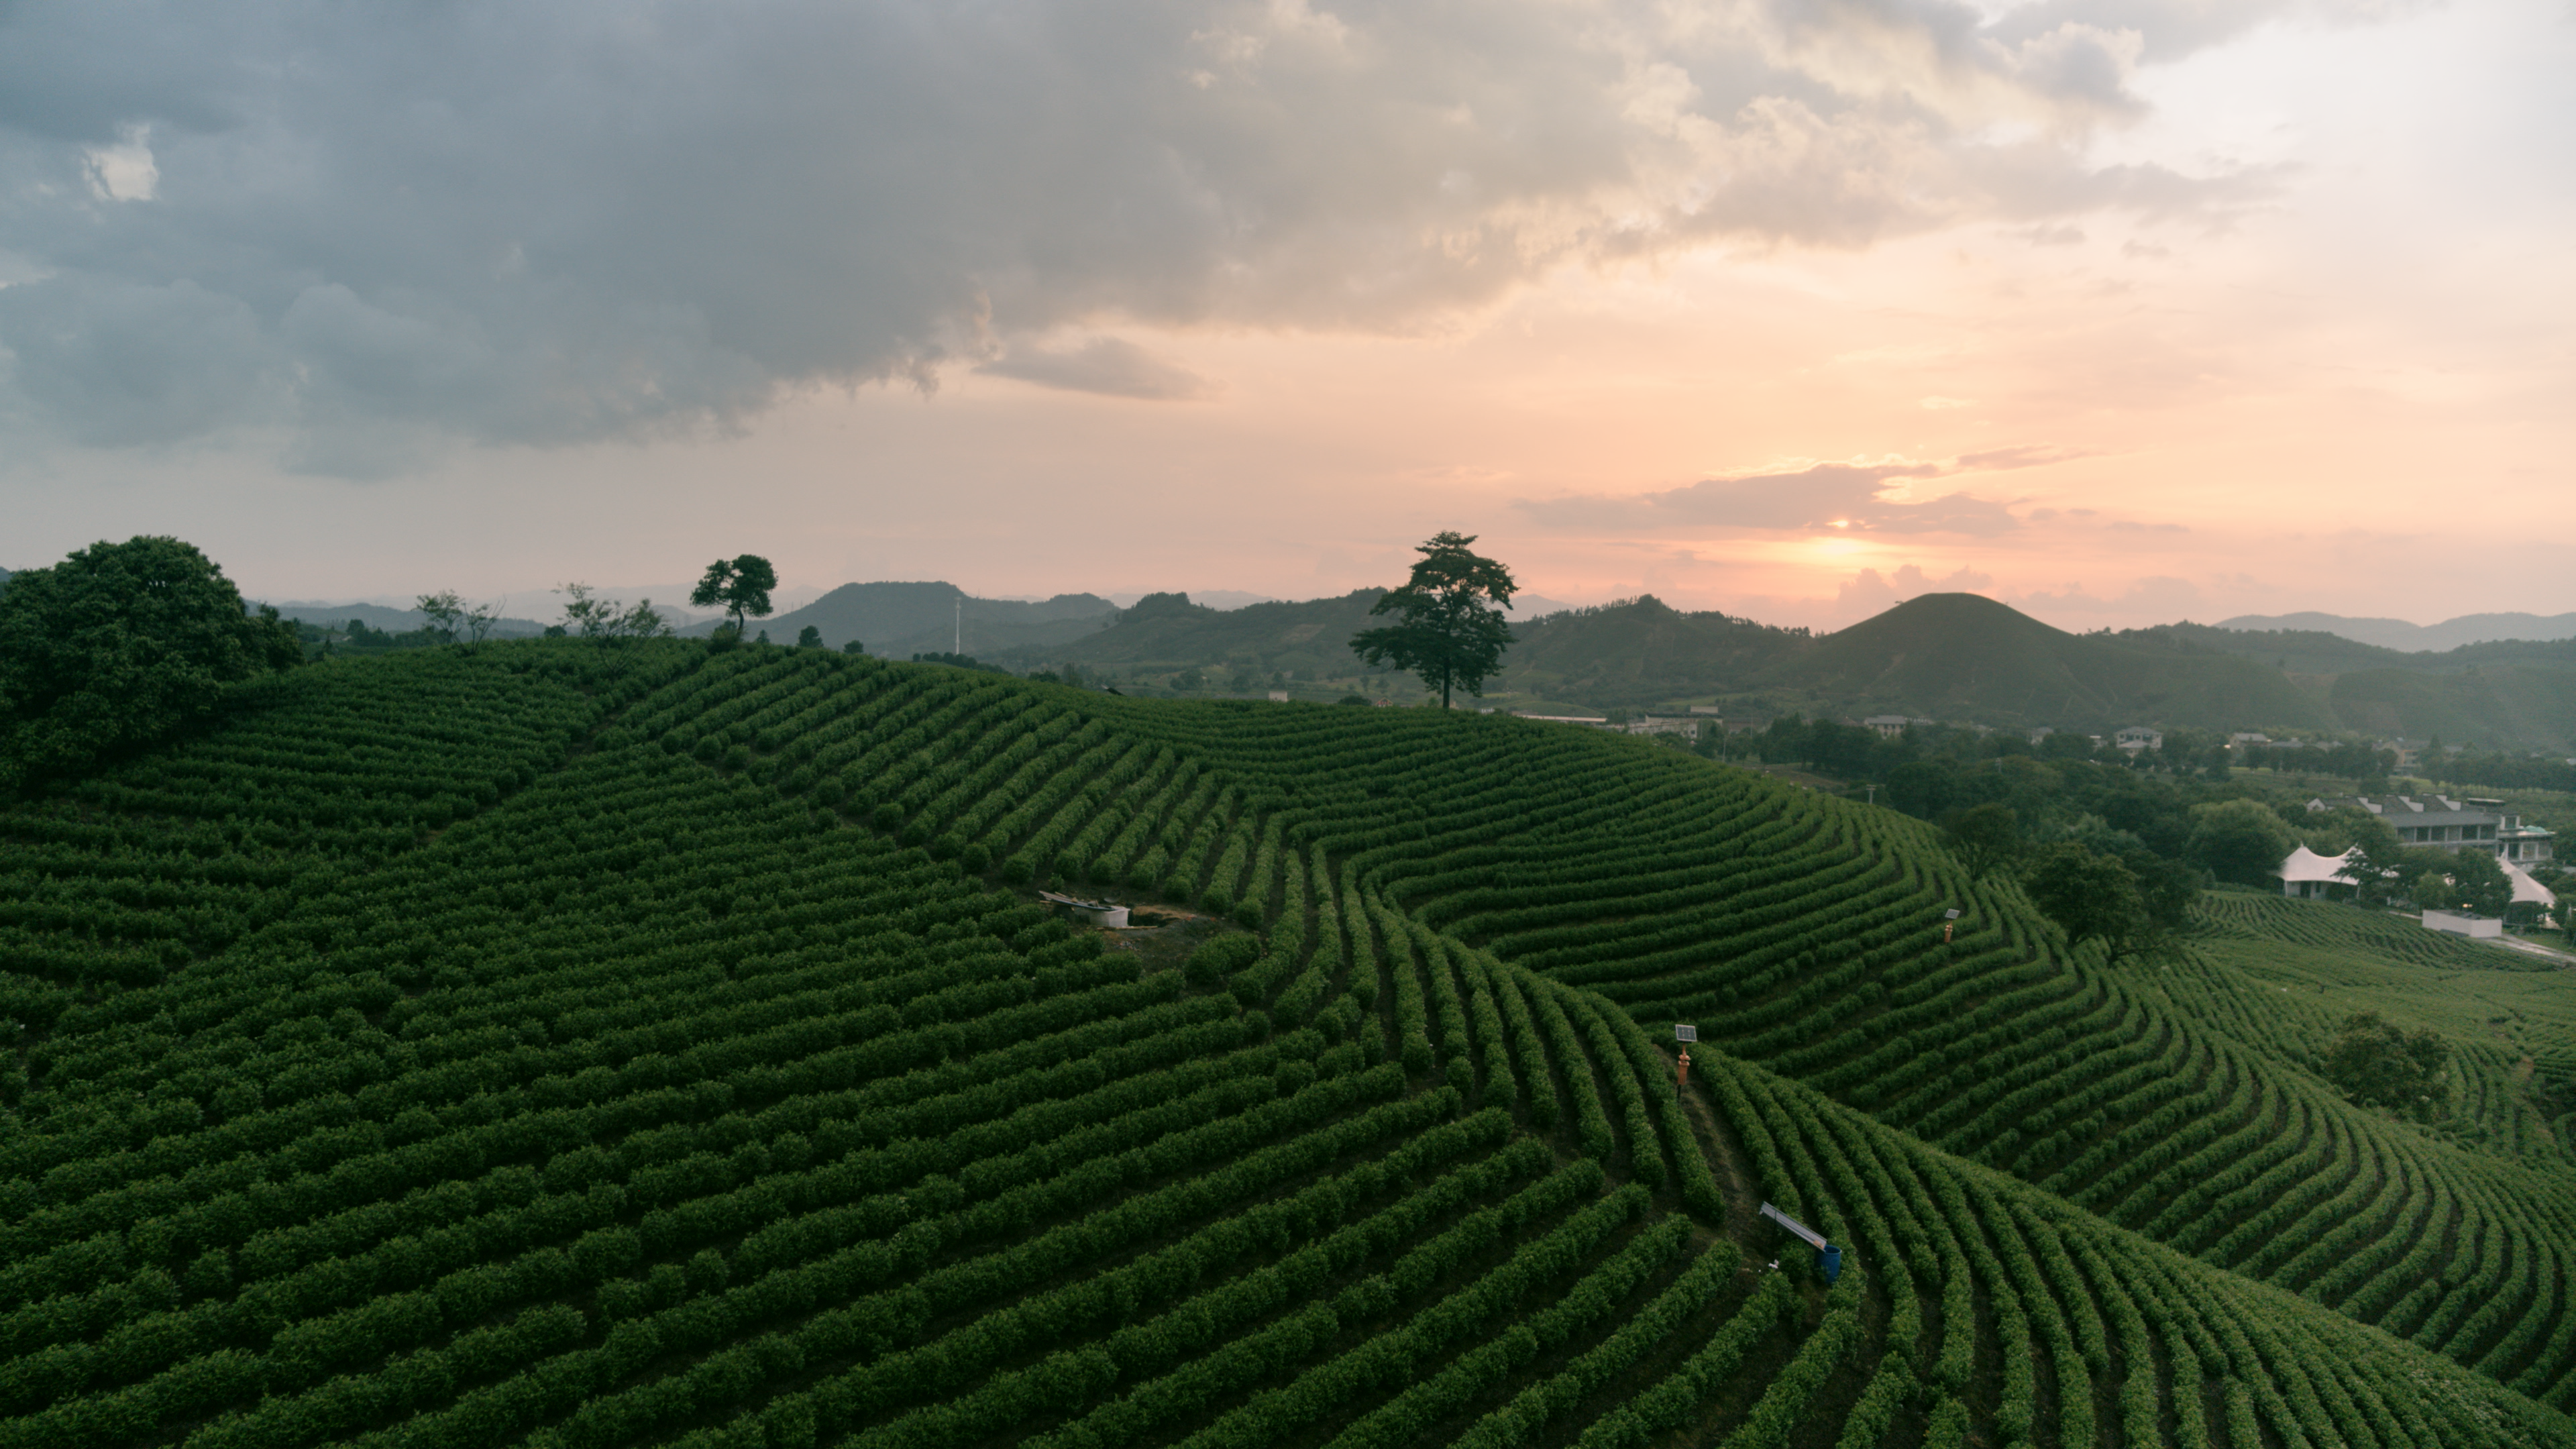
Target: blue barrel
<point x="1829" y="1262"/>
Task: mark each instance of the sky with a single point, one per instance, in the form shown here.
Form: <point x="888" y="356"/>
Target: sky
<point x="2119" y="311"/>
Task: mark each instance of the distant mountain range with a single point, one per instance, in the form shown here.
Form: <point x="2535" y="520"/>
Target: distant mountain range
<point x="897" y="620"/>
<point x="2414" y="638"/>
<point x="1956" y="657"/>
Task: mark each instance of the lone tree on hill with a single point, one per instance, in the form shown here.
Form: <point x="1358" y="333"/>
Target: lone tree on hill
<point x="740" y="586"/>
<point x="118" y="645"/>
<point x="1450" y="628"/>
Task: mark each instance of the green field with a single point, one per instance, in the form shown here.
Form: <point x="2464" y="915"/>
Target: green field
<point x="582" y="1047"/>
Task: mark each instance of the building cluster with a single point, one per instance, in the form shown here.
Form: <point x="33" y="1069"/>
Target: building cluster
<point x="2468" y="823"/>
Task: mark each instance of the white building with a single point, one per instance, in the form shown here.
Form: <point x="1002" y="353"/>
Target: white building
<point x="2139" y="737"/>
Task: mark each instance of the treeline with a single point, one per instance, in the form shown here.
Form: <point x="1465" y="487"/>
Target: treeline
<point x="1913" y="763"/>
<point x="2498" y="771"/>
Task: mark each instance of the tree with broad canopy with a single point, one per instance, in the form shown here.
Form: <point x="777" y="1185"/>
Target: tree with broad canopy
<point x="1450" y="628"/>
<point x="739" y="585"/>
<point x="2379" y="1064"/>
<point x="119" y="645"/>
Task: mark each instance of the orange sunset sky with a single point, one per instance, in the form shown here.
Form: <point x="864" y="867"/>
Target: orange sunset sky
<point x="2119" y="312"/>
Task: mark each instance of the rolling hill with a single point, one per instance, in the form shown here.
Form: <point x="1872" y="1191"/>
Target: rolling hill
<point x="582" y="1046"/>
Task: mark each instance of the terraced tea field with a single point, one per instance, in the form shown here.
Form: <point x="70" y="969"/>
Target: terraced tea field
<point x="652" y="1046"/>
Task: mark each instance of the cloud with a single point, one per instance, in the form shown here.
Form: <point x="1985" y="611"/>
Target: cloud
<point x="1869" y="592"/>
<point x="1850" y="497"/>
<point x="2157" y="596"/>
<point x="2168" y="30"/>
<point x="554" y="224"/>
<point x="1109" y="366"/>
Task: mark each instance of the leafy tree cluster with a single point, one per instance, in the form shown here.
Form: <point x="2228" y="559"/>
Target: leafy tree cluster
<point x="355" y="636"/>
<point x="1927" y="769"/>
<point x="588" y="616"/>
<point x="2497" y="770"/>
<point x="2351" y="760"/>
<point x="455" y="621"/>
<point x="119" y="645"/>
<point x="2097" y="884"/>
<point x="2378" y="1064"/>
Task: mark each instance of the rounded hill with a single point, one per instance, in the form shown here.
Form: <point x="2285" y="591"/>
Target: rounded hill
<point x="1964" y="656"/>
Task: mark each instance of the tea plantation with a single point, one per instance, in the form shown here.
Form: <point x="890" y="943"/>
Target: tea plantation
<point x="572" y="1046"/>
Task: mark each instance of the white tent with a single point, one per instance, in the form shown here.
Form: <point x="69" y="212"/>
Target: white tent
<point x="2527" y="890"/>
<point x="2306" y="874"/>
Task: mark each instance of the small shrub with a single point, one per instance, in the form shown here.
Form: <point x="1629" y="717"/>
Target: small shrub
<point x="1211" y="963"/>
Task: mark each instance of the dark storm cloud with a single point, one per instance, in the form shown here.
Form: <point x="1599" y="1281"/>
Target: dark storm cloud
<point x="376" y="227"/>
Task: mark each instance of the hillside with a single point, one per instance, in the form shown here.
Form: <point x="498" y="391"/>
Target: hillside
<point x="1641" y="653"/>
<point x="897" y="620"/>
<point x="643" y="1045"/>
